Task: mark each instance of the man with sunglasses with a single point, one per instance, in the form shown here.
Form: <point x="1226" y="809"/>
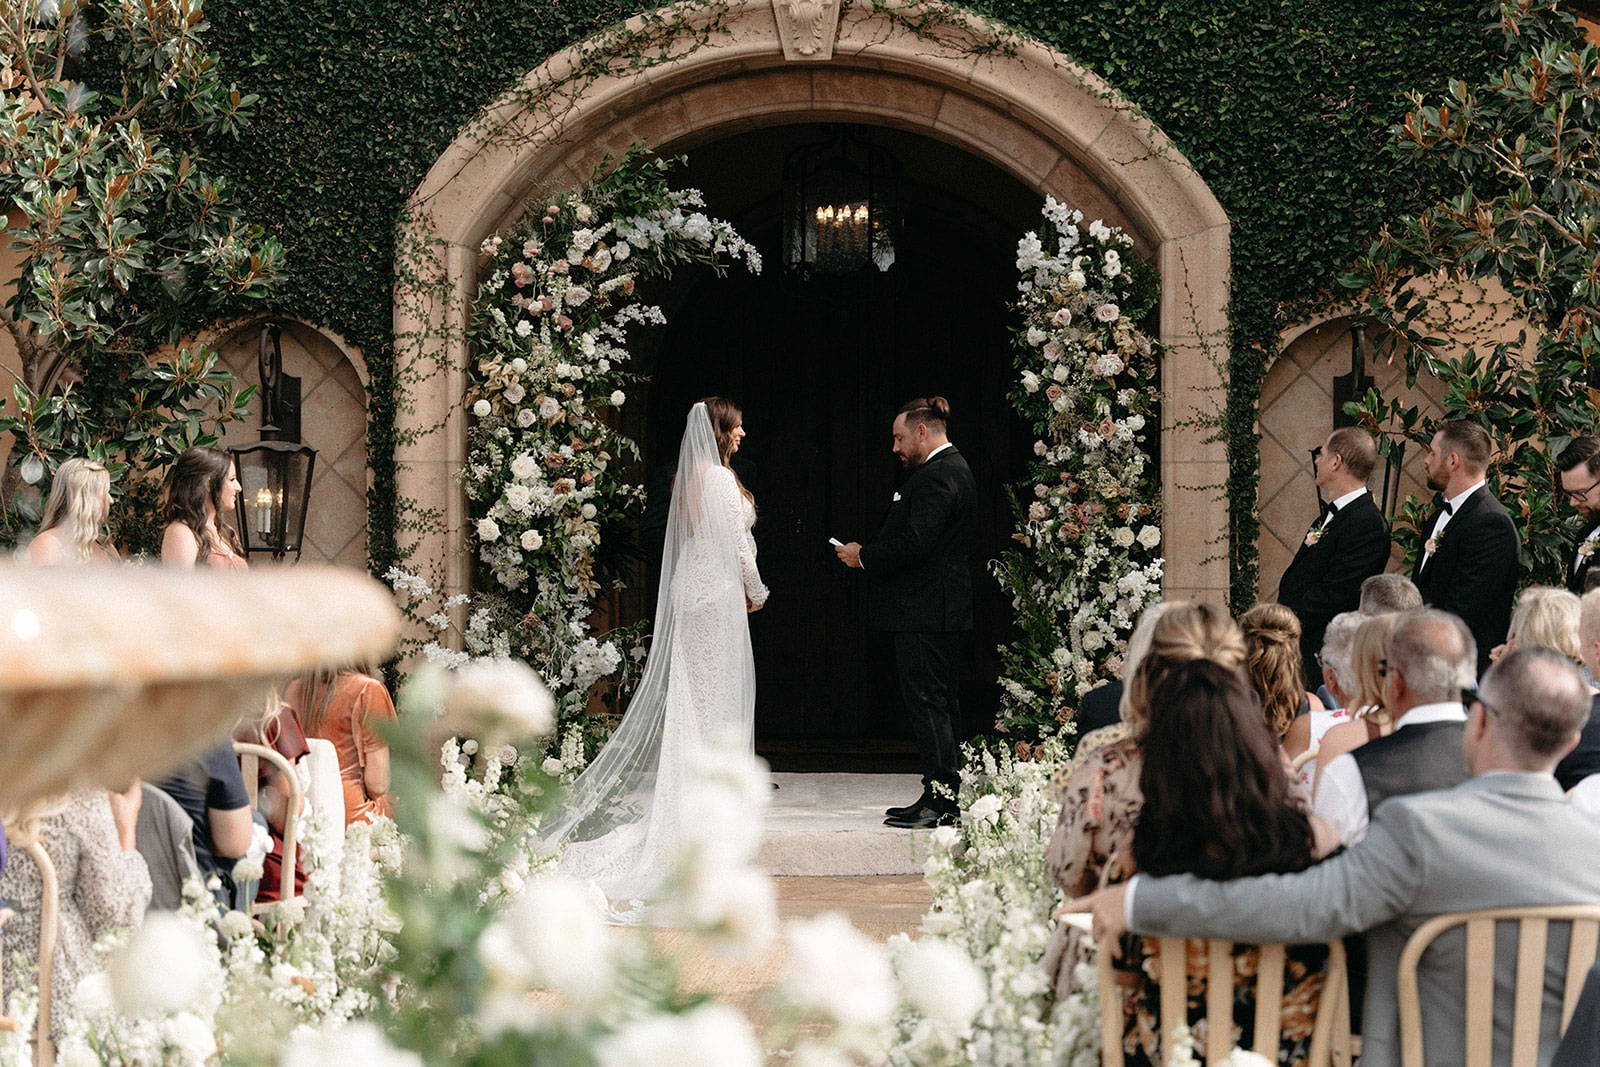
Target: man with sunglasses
<point x="1579" y="464"/>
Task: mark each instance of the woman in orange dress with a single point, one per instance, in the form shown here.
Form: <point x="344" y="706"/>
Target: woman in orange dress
<point x="344" y="707"/>
<point x="202" y="490"/>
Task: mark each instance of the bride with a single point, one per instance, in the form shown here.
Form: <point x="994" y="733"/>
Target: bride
<point x="623" y="820"/>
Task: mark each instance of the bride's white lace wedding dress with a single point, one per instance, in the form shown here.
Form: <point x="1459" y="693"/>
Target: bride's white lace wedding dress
<point x="624" y="821"/>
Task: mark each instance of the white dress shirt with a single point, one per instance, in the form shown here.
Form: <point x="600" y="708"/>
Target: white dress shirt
<point x="1341" y="796"/>
<point x="1342" y="503"/>
<point x="1444" y="518"/>
<point x="936" y="451"/>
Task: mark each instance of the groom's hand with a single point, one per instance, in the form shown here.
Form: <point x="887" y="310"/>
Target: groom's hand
<point x="849" y="555"/>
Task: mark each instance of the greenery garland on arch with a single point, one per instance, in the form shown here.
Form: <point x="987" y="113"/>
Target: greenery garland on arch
<point x="1089" y="517"/>
<point x="545" y="469"/>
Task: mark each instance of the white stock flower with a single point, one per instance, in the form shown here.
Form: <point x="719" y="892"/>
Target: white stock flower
<point x="939" y="980"/>
<point x="346" y="1044"/>
<point x="504" y="696"/>
<point x="712" y="1035"/>
<point x="165" y="945"/>
<point x="551" y="936"/>
<point x="488" y="530"/>
<point x="531" y="541"/>
<point x="481" y="409"/>
<point x="1099" y="231"/>
<point x="835" y="972"/>
<point x="524" y="466"/>
<point x="191" y="1037"/>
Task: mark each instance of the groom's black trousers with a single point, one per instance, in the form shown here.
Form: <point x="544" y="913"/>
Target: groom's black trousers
<point x="929" y="668"/>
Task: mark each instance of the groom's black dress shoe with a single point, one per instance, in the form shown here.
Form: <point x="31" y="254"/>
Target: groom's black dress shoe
<point x="924" y="801"/>
<point x="923" y="818"/>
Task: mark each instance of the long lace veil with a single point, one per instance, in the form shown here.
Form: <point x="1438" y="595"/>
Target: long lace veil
<point x="622" y="819"/>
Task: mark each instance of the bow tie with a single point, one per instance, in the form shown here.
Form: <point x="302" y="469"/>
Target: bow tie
<point x="1329" y="509"/>
<point x="1447" y="508"/>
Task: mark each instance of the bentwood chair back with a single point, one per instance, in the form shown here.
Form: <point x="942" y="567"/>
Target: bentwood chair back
<point x="1330" y="1044"/>
<point x="1528" y="996"/>
<point x="250" y="756"/>
<point x="49" y="931"/>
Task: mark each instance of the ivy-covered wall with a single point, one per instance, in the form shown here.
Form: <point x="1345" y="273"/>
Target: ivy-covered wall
<point x="1283" y="106"/>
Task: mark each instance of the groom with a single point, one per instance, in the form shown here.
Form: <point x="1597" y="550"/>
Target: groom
<point x="920" y="590"/>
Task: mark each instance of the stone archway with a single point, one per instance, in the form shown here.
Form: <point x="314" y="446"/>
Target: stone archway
<point x="1032" y="112"/>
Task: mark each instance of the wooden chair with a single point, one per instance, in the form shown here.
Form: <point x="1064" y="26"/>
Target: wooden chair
<point x="1528" y="998"/>
<point x="49" y="930"/>
<point x="1330" y="1044"/>
<point x="250" y="757"/>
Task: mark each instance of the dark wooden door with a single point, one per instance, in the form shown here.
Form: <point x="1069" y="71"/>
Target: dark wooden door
<point x="819" y="366"/>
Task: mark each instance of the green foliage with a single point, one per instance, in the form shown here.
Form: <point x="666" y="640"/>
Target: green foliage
<point x="1520" y="151"/>
<point x="128" y="241"/>
<point x="1282" y="105"/>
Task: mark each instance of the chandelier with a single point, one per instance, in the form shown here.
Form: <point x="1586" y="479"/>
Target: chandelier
<point x="840" y="207"/>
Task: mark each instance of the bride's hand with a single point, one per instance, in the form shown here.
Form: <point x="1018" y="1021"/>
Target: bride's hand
<point x="751" y="606"/>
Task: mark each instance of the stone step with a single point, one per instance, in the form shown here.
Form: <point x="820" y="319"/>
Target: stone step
<point x="832" y="824"/>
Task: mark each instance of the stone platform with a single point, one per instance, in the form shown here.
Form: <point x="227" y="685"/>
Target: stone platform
<point x="832" y="825"/>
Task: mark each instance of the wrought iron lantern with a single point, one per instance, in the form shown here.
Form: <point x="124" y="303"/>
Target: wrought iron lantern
<point x="841" y="210"/>
<point x="275" y="472"/>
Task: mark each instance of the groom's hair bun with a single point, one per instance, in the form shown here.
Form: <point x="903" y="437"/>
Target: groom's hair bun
<point x="930" y="410"/>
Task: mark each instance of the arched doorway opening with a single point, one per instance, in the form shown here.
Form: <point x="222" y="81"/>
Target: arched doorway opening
<point x="820" y="363"/>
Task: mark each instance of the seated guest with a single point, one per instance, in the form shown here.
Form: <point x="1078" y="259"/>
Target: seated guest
<point x="1545" y="617"/>
<point x="1272" y="663"/>
<point x="210" y="789"/>
<point x="1506" y="838"/>
<point x="345" y="708"/>
<point x="164" y="836"/>
<point x="1369" y="717"/>
<point x="1307" y="731"/>
<point x="280" y="731"/>
<point x="1431" y="660"/>
<point x="102" y="884"/>
<point x="1106" y="705"/>
<point x="1584" y="761"/>
<point x="73" y="527"/>
<point x="1384" y="594"/>
<point x="202" y="490"/>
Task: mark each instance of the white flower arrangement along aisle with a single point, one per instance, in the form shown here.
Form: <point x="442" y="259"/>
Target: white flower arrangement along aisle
<point x="545" y="465"/>
<point x="1089" y="520"/>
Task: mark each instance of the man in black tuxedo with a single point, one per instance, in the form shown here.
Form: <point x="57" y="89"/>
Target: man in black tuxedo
<point x="1347" y="544"/>
<point x="1579" y="464"/>
<point x="919" y="581"/>
<point x="1468" y="563"/>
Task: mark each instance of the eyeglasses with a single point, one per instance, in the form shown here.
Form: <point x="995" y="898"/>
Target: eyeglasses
<point x="1316" y="454"/>
<point x="1580" y="494"/>
<point x="1472" y="696"/>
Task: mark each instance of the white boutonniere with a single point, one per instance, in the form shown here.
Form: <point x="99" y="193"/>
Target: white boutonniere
<point x="897" y="498"/>
<point x="1588" y="547"/>
<point x="1431" y="545"/>
<point x="1313" y="535"/>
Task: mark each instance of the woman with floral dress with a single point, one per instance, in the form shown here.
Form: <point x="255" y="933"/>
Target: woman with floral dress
<point x="1191" y="682"/>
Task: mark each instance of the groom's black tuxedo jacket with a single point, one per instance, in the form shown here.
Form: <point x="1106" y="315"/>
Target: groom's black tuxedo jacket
<point x="1576" y="577"/>
<point x="1325" y="578"/>
<point x="1474" y="572"/>
<point x="919" y="571"/>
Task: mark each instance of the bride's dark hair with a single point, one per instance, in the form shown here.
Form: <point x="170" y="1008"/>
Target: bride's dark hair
<point x="725" y="415"/>
<point x="194" y="487"/>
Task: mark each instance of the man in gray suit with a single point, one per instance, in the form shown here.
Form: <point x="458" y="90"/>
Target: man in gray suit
<point x="1504" y="838"/>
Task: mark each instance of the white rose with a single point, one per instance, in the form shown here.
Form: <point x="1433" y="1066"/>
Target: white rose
<point x="488" y="530"/>
<point x="1077" y="279"/>
<point x="985" y="809"/>
<point x="1030" y="381"/>
<point x="524" y="466"/>
<point x="621" y="251"/>
<point x="549" y="407"/>
<point x="531" y="541"/>
<point x="617" y="398"/>
<point x="939" y="980"/>
<point x="1062" y="317"/>
<point x="515" y="393"/>
<point x="1112" y="257"/>
<point x="519" y="365"/>
<point x="1107" y="312"/>
<point x="1060" y="373"/>
<point x="588" y="511"/>
<point x="523" y="328"/>
<point x="525" y="417"/>
<point x="553" y="767"/>
<point x="503" y="694"/>
<point x="481" y="409"/>
<point x="1099" y="231"/>
<point x="1036" y="336"/>
<point x="583" y="240"/>
<point x="575" y="295"/>
<point x="1039" y="448"/>
<point x="518" y="497"/>
<point x="1149" y="536"/>
<point x="1122" y="537"/>
<point x="837" y="973"/>
<point x="1134" y="422"/>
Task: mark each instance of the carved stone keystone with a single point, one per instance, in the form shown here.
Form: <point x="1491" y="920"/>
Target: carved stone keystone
<point x="807" y="28"/>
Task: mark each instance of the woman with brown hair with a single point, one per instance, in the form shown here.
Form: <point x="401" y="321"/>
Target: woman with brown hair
<point x="202" y="490"/>
<point x="344" y="707"/>
<point x="73" y="527"/>
<point x="1273" y="665"/>
<point x="628" y="815"/>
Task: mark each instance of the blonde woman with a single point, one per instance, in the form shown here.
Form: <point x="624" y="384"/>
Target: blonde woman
<point x="103" y="882"/>
<point x="73" y="527"/>
<point x="1545" y="617"/>
<point x="1370" y="720"/>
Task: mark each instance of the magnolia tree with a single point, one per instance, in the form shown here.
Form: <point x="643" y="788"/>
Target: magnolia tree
<point x="1521" y="149"/>
<point x="128" y="241"/>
